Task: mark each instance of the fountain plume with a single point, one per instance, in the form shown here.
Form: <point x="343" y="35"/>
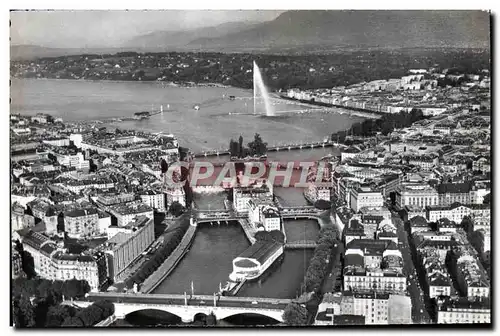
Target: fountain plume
<point x="260" y="88"/>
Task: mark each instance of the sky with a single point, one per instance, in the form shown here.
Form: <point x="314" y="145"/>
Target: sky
<point x="109" y="29"/>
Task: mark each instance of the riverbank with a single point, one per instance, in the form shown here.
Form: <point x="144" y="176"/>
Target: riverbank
<point x="170" y="263"/>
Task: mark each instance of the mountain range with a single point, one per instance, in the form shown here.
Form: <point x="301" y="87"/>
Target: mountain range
<point x="308" y="30"/>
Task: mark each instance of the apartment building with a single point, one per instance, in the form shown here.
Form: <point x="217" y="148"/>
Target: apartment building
<point x="127" y="245"/>
<point x="364" y="196"/>
<point x="80" y="223"/>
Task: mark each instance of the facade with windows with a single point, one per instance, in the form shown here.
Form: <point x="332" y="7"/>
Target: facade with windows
<point x="155" y="200"/>
<point x="416" y="196"/>
<point x="80" y="223"/>
<point x="463" y="311"/>
<point x="362" y="197"/>
<point x="52" y="263"/>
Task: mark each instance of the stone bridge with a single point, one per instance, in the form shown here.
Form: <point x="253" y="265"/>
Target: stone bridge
<point x="188" y="306"/>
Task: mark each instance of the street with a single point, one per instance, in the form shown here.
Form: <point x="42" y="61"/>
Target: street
<point x="419" y="311"/>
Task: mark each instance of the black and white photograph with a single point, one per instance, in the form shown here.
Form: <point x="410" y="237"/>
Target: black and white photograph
<point x="230" y="168"/>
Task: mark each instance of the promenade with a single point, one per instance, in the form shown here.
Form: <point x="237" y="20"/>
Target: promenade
<point x="169" y="264"/>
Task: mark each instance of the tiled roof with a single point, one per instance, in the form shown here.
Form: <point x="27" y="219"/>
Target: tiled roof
<point x="454" y="188"/>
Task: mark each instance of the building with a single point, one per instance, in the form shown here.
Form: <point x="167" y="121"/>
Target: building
<point x="438" y="280"/>
<point x="53" y="263"/>
<point x="254" y="261"/>
<point x="126" y="246"/>
<point x="425" y="162"/>
<point x="471" y="277"/>
<point x="450" y="193"/>
<point x="399" y="309"/>
<point x="377" y="308"/>
<point x="328" y="309"/>
<point x="241" y="195"/>
<point x="81" y="223"/>
<point x="354" y="230"/>
<point x="16" y="264"/>
<point x="73" y="266"/>
<point x="463" y="311"/>
<point x="41" y="248"/>
<point x="103" y="223"/>
<point x="155" y="200"/>
<point x="454" y="212"/>
<point x="264" y="214"/>
<point x="175" y="195"/>
<point x="373" y="265"/>
<point x="416" y="195"/>
<point x="362" y="197"/>
<point x="371" y="305"/>
<point x="115" y="198"/>
<point x="20" y="220"/>
<point x="125" y="213"/>
<point x="69" y="159"/>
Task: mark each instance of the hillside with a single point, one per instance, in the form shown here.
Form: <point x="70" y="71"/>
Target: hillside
<point x="385" y="29"/>
<point x="179" y="40"/>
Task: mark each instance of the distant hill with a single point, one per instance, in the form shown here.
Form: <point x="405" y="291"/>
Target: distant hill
<point x="179" y="40"/>
<point x="27" y="52"/>
<point x="382" y="29"/>
<point x="309" y="31"/>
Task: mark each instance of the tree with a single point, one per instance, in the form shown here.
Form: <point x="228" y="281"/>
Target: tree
<point x="322" y="204"/>
<point x="467" y="224"/>
<point x="74" y="321"/>
<point x="57" y="314"/>
<point x="487" y="198"/>
<point x="295" y="314"/>
<point x="23" y="312"/>
<point x="476" y="239"/>
<point x="257" y="147"/>
<point x="240" y="146"/>
<point x="176" y="209"/>
<point x="233" y="148"/>
<point x="28" y="264"/>
<point x="108" y="308"/>
<point x="163" y="166"/>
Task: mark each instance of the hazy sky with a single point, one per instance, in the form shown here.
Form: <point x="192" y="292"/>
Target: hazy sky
<point x="78" y="29"/>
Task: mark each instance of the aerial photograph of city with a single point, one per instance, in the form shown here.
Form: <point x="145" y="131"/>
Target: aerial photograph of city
<point x="250" y="168"/>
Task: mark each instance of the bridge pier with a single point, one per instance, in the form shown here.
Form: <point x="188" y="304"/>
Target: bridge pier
<point x="187" y="319"/>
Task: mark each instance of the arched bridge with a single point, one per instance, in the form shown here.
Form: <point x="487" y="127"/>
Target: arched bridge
<point x="186" y="307"/>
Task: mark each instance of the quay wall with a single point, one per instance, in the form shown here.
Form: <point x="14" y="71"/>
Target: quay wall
<point x="170" y="263"/>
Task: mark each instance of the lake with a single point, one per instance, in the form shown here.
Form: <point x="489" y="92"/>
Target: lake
<point x="218" y="119"/>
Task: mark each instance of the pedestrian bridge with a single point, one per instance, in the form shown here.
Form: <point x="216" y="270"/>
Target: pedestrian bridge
<point x="310" y="212"/>
<point x="301" y="244"/>
<point x="187" y="306"/>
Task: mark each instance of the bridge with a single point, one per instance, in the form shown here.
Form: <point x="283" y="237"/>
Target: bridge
<point x="308" y="212"/>
<point x="188" y="306"/>
<point x="277" y="148"/>
<point x="301" y="244"/>
<point x="205" y="216"/>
